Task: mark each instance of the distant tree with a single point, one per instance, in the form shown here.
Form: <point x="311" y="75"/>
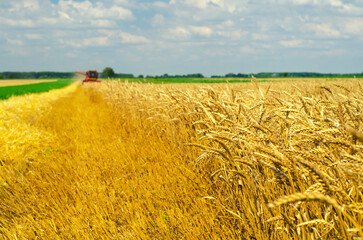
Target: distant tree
<point x="11" y="75"/>
<point x="230" y="75"/>
<point x="1" y="76"/>
<point x="285" y="74"/>
<point x="197" y="75"/>
<point x="141" y="76"/>
<point x="108" y="72"/>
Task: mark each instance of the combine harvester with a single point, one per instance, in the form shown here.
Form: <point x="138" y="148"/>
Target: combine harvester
<point x="91" y="76"/>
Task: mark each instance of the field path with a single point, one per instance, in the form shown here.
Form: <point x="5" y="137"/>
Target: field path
<point x="98" y="174"/>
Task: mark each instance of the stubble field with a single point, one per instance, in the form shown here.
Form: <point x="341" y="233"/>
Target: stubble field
<point x="4" y="83"/>
<point x="184" y="161"/>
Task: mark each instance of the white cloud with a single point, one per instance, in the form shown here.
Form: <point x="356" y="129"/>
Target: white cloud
<point x="102" y="23"/>
<point x="31" y="5"/>
<point x="178" y="33"/>
<point x="261" y="36"/>
<point x="64" y="15"/>
<point x="15" y="42"/>
<point x="160" y="4"/>
<point x="96" y="41"/>
<point x="28" y="5"/>
<point x="118" y="12"/>
<point x="218" y="53"/>
<point x="46" y="21"/>
<point x="354" y="26"/>
<point x="17" y="22"/>
<point x="325" y="30"/>
<point x="157" y="20"/>
<point x="336" y="3"/>
<point x="201" y="3"/>
<point x="120" y="1"/>
<point x="32" y="36"/>
<point x="183" y="33"/>
<point x="303" y="2"/>
<point x="88" y="11"/>
<point x="31" y="13"/>
<point x="325" y="4"/>
<point x="225" y="5"/>
<point x="74" y="43"/>
<point x="130" y="38"/>
<point x="201" y="30"/>
<point x="229" y="23"/>
<point x="86" y="42"/>
<point x="226" y="25"/>
<point x="303" y="18"/>
<point x="292" y="43"/>
<point x="303" y="43"/>
<point x="233" y="34"/>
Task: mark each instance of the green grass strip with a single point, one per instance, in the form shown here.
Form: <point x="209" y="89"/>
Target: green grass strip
<point x="9" y="91"/>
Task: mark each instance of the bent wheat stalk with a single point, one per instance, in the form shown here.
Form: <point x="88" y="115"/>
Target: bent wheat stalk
<point x="315" y="196"/>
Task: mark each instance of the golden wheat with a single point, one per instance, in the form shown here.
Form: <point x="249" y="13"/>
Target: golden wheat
<point x="141" y="161"/>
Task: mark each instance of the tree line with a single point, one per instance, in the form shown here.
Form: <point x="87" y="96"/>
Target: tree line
<point x="56" y="75"/>
<point x="109" y="72"/>
<point x="287" y="74"/>
<point x="35" y="75"/>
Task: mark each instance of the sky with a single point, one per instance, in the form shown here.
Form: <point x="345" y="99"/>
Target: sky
<point x="212" y="37"/>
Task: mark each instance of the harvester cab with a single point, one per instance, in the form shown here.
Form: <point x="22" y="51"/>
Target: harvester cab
<point x="91" y="76"/>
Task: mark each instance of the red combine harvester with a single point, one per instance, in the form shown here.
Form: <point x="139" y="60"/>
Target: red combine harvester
<point x="91" y="76"/>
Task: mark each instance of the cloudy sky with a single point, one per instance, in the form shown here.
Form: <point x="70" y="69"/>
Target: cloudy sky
<point x="182" y="36"/>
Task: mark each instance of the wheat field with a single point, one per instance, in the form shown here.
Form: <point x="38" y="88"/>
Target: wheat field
<point x="116" y="160"/>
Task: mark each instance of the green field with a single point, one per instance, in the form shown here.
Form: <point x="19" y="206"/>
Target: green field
<point x="9" y="91"/>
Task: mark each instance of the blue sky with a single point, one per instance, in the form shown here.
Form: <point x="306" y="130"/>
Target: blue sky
<point x="182" y="36"/>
